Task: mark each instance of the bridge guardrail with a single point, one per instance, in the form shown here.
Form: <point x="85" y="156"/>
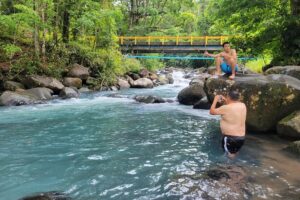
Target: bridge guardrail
<point x="191" y="40"/>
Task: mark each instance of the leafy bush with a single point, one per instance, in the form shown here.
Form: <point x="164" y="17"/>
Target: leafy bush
<point x="131" y="64"/>
<point x="10" y="50"/>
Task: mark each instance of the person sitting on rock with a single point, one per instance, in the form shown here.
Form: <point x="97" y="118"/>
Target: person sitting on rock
<point x="233" y="119"/>
<point x="225" y="61"/>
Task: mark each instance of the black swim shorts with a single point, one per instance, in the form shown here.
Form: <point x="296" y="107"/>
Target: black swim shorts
<point x="232" y="144"/>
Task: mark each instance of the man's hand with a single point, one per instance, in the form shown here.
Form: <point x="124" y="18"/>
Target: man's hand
<point x="221" y="99"/>
<point x="206" y="53"/>
<point x="216" y="111"/>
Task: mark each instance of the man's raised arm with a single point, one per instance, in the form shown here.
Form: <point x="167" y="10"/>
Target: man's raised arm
<point x="212" y="55"/>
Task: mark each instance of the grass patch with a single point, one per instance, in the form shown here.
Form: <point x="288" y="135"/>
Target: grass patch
<point x="257" y="65"/>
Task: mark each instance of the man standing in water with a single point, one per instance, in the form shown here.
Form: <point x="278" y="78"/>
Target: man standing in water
<point x="226" y="60"/>
<point x="233" y="119"/>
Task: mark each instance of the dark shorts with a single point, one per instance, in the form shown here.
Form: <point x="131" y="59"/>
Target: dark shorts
<point x="232" y="144"/>
<point x="226" y="68"/>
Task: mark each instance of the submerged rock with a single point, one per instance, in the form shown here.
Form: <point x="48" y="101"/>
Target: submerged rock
<point x="290" y="126"/>
<point x="191" y="94"/>
<point x="47" y="196"/>
<point x="84" y="90"/>
<point x="268" y="98"/>
<point x="149" y="99"/>
<point x="202" y="104"/>
<point x="218" y="182"/>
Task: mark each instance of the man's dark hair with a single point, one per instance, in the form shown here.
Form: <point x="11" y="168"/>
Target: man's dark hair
<point x="225" y="43"/>
<point x="234" y="95"/>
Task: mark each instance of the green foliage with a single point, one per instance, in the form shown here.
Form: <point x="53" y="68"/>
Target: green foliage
<point x="10" y="50"/>
<point x="257" y="65"/>
<point x="260" y="26"/>
<point x="131" y="64"/>
<point x="152" y="64"/>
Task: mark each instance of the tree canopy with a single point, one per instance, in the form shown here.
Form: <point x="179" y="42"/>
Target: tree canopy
<point x="45" y="36"/>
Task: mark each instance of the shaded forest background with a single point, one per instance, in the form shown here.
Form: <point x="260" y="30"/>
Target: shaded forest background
<point x="46" y="36"/>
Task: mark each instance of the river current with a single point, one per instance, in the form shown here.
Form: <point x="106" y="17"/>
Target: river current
<point x="105" y="147"/>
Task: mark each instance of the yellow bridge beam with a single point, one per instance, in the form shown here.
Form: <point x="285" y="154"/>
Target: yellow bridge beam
<point x="177" y="39"/>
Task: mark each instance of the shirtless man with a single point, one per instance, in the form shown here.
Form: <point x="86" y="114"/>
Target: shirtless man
<point x="226" y="60"/>
<point x="233" y="119"/>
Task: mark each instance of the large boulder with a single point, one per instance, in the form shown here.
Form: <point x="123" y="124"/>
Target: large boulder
<point x="123" y="84"/>
<point x="79" y="71"/>
<point x="290" y="126"/>
<point x="294" y="147"/>
<point x="68" y="92"/>
<point x="43" y="81"/>
<point x="268" y="98"/>
<point x="293" y="71"/>
<point x="13" y="86"/>
<point x="72" y="82"/>
<point x="25" y="97"/>
<point x="142" y="83"/>
<point x="149" y="99"/>
<point x="129" y="80"/>
<point x="191" y="94"/>
<point x="153" y="76"/>
<point x="9" y="98"/>
<point x="41" y="93"/>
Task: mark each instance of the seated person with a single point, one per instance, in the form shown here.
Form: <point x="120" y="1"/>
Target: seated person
<point x="225" y="61"/>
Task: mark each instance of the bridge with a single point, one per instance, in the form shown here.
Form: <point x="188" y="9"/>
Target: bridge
<point x="170" y="44"/>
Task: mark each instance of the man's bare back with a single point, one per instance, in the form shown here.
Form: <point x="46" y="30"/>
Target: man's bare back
<point x="233" y="119"/>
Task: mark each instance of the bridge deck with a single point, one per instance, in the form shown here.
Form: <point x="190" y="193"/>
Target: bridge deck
<point x="170" y="44"/>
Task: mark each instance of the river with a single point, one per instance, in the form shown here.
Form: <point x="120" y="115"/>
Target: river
<point x="102" y="147"/>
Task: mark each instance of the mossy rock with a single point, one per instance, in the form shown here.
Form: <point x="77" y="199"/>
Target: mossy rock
<point x="294" y="147"/>
<point x="293" y="71"/>
<point x="191" y="94"/>
<point x="268" y="98"/>
<point x="290" y="126"/>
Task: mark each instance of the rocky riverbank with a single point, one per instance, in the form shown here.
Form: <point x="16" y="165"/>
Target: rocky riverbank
<point x="272" y="99"/>
<point x="38" y="89"/>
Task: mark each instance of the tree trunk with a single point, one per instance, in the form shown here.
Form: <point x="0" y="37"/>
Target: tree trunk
<point x="66" y="24"/>
<point x="44" y="8"/>
<point x="295" y="7"/>
<point x="55" y="22"/>
<point x="36" y="33"/>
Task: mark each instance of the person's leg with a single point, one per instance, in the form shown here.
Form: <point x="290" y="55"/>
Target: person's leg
<point x="218" y="65"/>
<point x="232" y="63"/>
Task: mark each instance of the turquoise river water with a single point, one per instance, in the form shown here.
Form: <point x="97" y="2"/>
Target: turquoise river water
<point x="101" y="147"/>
